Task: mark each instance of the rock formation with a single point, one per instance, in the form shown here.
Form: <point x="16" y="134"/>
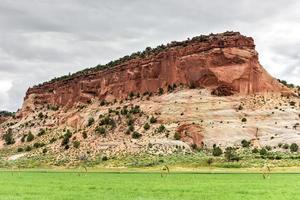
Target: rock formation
<point x="226" y="60"/>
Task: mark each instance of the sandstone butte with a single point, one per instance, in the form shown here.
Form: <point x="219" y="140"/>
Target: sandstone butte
<point x="226" y="63"/>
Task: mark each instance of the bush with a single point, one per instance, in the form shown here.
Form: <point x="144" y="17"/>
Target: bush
<point x="108" y="121"/>
<point x="230" y="154"/>
<point x="20" y="149"/>
<point x="8" y="137"/>
<point x="41" y="132"/>
<point x="161" y="128"/>
<point x="217" y="151"/>
<point x="40" y="115"/>
<point x="209" y="161"/>
<point x="76" y="144"/>
<point x="244" y="120"/>
<point x="30" y="137"/>
<point x="245" y="143"/>
<point x="146" y="126"/>
<point x="263" y="152"/>
<point x="66" y="139"/>
<point x="255" y="150"/>
<point x="136" y="109"/>
<point x="104" y="158"/>
<point x="36" y="145"/>
<point x="103" y="103"/>
<point x="294" y="147"/>
<point x="177" y="136"/>
<point x="153" y="120"/>
<point x="269" y="148"/>
<point x="136" y="135"/>
<point x="23" y="138"/>
<point x="131" y="128"/>
<point x="45" y="150"/>
<point x="52" y="140"/>
<point x="91" y="121"/>
<point x="101" y="130"/>
<point x="286" y="146"/>
<point x="28" y="148"/>
<point x="84" y="135"/>
<point x="160" y="91"/>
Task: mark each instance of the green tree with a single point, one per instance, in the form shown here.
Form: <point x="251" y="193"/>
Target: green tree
<point x="76" y="144"/>
<point x="30" y="137"/>
<point x="91" y="121"/>
<point x="8" y="137"/>
<point x="177" y="135"/>
<point x="153" y="120"/>
<point x="146" y="126"/>
<point x="217" y="151"/>
<point x="230" y="154"/>
<point x="294" y="147"/>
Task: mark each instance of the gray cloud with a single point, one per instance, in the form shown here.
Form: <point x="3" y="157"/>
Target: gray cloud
<point x="43" y="39"/>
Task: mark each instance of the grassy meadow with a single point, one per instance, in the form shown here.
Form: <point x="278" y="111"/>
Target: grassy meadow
<point x="151" y="186"/>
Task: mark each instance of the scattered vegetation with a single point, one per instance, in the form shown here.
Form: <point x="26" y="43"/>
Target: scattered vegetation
<point x="8" y="137"/>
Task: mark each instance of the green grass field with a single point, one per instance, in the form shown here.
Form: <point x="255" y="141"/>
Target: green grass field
<point x="139" y="186"/>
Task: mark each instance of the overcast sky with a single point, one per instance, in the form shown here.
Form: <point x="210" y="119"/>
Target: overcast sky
<point x="42" y="39"/>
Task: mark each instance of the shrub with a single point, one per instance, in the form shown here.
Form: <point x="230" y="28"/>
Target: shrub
<point x="269" y="148"/>
<point x="101" y="130"/>
<point x="45" y="150"/>
<point x="263" y="152"/>
<point x="255" y="150"/>
<point x="52" y="140"/>
<point x="41" y="132"/>
<point x="209" y="161"/>
<point x="36" y="145"/>
<point x="8" y="137"/>
<point x="161" y="128"/>
<point x="108" y="121"/>
<point x="84" y="135"/>
<point x="217" y="151"/>
<point x="245" y="143"/>
<point x="286" y="146"/>
<point x="136" y="135"/>
<point x="66" y="139"/>
<point x="131" y="95"/>
<point x="230" y="154"/>
<point x="130" y="122"/>
<point x="240" y="107"/>
<point x="104" y="158"/>
<point x="20" y="149"/>
<point x="194" y="146"/>
<point x="177" y="136"/>
<point x="40" y="115"/>
<point x="160" y="91"/>
<point x="23" y="138"/>
<point x="28" y="148"/>
<point x="146" y="126"/>
<point x="30" y="137"/>
<point x="294" y="147"/>
<point x="244" y="120"/>
<point x="103" y="103"/>
<point x="91" y="121"/>
<point x="76" y="144"/>
<point x="136" y="109"/>
<point x="131" y="128"/>
<point x="153" y="120"/>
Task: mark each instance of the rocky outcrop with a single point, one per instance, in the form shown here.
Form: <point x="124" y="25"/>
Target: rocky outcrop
<point x="227" y="60"/>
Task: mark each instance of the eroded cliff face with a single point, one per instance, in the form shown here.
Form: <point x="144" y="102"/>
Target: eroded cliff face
<point x="228" y="60"/>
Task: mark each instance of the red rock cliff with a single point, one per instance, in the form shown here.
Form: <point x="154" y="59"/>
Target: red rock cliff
<point x="222" y="59"/>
